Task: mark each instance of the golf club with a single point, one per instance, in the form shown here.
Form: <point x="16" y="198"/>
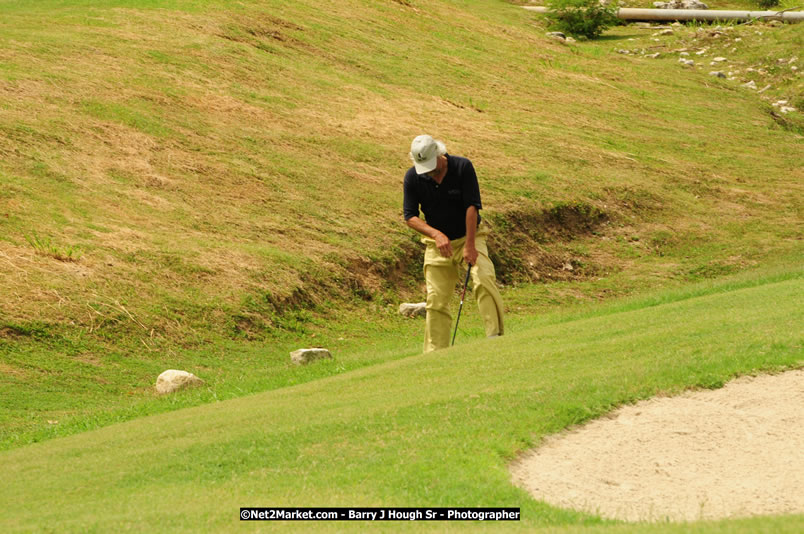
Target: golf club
<point x="463" y="293"/>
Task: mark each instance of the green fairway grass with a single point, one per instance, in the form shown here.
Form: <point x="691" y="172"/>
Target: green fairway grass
<point x="208" y="185"/>
<point x="432" y="430"/>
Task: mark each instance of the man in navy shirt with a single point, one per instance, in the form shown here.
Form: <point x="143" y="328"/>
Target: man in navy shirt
<point x="445" y="188"/>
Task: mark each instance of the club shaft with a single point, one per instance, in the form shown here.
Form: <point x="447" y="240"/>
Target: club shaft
<point x="463" y="294"/>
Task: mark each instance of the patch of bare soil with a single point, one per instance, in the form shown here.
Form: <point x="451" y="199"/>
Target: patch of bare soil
<point x="733" y="452"/>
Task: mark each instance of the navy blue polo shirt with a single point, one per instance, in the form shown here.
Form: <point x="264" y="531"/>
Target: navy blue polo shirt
<point x="445" y="204"/>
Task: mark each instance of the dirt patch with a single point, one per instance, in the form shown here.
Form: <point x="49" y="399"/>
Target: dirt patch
<point x="732" y="452"/>
<point x="522" y="245"/>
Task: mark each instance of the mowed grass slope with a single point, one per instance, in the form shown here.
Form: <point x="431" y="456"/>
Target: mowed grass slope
<point x="215" y="162"/>
<point x="432" y="430"/>
<point x="192" y="184"/>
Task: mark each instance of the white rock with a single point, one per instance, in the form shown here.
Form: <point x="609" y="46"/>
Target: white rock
<point x="780" y="103"/>
<point x="174" y="380"/>
<point x="687" y="62"/>
<point x="750" y="85"/>
<point x="411" y="309"/>
<point x="719" y="59"/>
<point x="717" y="73"/>
<point x="653" y="56"/>
<point x="786" y="109"/>
<point x="685" y="53"/>
<point x="681" y="4"/>
<point x="303" y="356"/>
<point x="764" y="89"/>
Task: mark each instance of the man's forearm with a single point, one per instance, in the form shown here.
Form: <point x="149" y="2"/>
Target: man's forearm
<point x="422" y="227"/>
<point x="471" y="225"/>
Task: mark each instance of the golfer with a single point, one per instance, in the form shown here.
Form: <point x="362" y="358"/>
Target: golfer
<point x="446" y="189"/>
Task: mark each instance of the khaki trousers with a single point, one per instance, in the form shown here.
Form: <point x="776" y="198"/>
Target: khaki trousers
<point x="441" y="275"/>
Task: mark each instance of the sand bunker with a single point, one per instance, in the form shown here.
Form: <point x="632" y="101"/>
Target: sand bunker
<point x="733" y="452"/>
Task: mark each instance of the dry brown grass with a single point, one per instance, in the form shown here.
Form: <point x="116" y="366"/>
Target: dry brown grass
<point x="201" y="158"/>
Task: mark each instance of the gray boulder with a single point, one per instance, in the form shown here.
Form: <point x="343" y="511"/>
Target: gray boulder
<point x="174" y="380"/>
<point x="305" y="356"/>
<point x="410" y="309"/>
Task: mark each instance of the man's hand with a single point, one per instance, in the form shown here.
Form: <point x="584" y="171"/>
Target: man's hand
<point x="441" y="240"/>
<point x="443" y="244"/>
<point x="470" y="254"/>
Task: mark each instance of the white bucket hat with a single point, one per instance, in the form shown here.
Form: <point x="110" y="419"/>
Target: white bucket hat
<point x="424" y="153"/>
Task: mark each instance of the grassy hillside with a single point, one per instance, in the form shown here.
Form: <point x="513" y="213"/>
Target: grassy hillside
<point x="197" y="184"/>
<point x="432" y="430"/>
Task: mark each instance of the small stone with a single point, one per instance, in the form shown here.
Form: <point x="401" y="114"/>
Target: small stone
<point x="174" y="380"/>
<point x="764" y="89"/>
<point x="787" y="109"/>
<point x="653" y="56"/>
<point x="683" y="53"/>
<point x="719" y="59"/>
<point x="750" y="85"/>
<point x="410" y="309"/>
<point x="304" y="356"/>
<point x="557" y="36"/>
<point x="717" y="73"/>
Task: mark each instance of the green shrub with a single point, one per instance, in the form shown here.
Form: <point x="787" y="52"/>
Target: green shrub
<point x="581" y="18"/>
<point x="767" y="4"/>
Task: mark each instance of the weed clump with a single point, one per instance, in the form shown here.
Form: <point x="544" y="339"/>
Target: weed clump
<point x="44" y="246"/>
